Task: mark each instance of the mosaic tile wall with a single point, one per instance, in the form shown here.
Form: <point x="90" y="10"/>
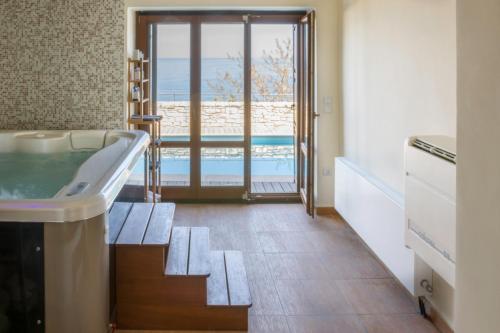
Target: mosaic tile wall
<point x="61" y="64"/>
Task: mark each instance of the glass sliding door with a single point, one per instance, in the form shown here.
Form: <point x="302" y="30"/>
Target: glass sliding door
<point x="172" y="96"/>
<point x="222" y="105"/>
<point x="173" y="77"/>
<point x="225" y="85"/>
<point x="222" y="84"/>
<point x="199" y="89"/>
<point x="273" y="111"/>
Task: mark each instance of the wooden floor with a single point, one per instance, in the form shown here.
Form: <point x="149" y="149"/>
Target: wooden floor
<point x="307" y="276"/>
<point x="274" y="187"/>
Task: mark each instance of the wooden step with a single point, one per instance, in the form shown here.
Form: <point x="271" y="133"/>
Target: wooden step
<point x="228" y="284"/>
<point x="178" y="252"/>
<point x="135" y="225"/>
<point x="189" y="252"/>
<point x="160" y="224"/>
<point x="140" y="223"/>
<point x="199" y="252"/>
<point x="143" y="317"/>
<point x="224" y="306"/>
<point x="139" y="234"/>
<point x="117" y="216"/>
<point x="217" y="294"/>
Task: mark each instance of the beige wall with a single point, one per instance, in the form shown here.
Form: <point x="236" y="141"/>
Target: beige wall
<point x="478" y="232"/>
<point x="328" y="134"/>
<point x="399" y="69"/>
<point x="399" y="79"/>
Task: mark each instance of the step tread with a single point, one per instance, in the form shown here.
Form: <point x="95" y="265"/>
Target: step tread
<point x="237" y="282"/>
<point x="160" y="224"/>
<point x="178" y="252"/>
<point x="199" y="252"/>
<point x="217" y="294"/>
<point x="228" y="283"/>
<point x="134" y="228"/>
<point x="117" y="216"/>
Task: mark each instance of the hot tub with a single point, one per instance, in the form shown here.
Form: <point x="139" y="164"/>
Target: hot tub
<point x="90" y="190"/>
<point x="55" y="190"/>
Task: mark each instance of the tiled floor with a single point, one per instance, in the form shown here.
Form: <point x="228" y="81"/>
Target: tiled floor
<point x="307" y="275"/>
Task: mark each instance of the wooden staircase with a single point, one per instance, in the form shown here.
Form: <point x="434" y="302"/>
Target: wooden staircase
<point x="168" y="279"/>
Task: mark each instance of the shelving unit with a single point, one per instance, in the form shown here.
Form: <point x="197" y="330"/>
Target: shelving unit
<point x="139" y="117"/>
<point x="140" y="105"/>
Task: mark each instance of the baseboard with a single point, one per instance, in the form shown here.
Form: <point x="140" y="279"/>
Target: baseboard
<point x="326" y="211"/>
<point x="439" y="322"/>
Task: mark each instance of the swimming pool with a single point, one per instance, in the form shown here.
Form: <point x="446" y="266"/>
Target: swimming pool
<point x="272" y="156"/>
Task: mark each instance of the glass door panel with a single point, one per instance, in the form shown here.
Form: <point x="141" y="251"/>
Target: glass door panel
<point x="273" y="111"/>
<point x="172" y="96"/>
<point x="304" y="132"/>
<point x="173" y="77"/>
<point x="222" y="106"/>
<point x="222" y="167"/>
<point x="225" y="87"/>
<point x="222" y="97"/>
<point x="176" y="168"/>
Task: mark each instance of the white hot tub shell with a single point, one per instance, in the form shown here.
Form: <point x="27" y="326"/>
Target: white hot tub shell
<point x="73" y="248"/>
<point x="103" y="174"/>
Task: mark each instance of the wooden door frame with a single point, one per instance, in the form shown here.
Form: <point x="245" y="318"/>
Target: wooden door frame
<point x="307" y="112"/>
<point x="195" y="18"/>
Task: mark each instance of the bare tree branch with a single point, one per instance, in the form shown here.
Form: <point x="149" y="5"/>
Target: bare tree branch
<point x="271" y="78"/>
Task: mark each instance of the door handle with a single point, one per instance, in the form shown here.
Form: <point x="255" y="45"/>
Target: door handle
<point x="315" y="114"/>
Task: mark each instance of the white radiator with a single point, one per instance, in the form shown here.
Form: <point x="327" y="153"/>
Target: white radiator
<point x="377" y="214"/>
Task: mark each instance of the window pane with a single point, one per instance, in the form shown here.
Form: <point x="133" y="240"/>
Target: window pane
<point x="222" y="111"/>
<point x="273" y="109"/>
<point x="173" y="80"/>
<point x="222" y="167"/>
<point x="175" y="166"/>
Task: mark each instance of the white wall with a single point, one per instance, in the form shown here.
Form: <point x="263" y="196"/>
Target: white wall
<point x="478" y="202"/>
<point x="328" y="27"/>
<point x="399" y="79"/>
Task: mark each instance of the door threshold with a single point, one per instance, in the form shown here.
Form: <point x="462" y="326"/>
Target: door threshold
<point x="252" y="198"/>
<point x="274" y="197"/>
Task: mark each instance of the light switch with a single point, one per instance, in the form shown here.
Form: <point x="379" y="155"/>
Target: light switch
<point x="327" y="104"/>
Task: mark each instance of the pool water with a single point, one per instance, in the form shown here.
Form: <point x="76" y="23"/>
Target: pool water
<point x="276" y="162"/>
<point x="232" y="166"/>
<point x="38" y="176"/>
